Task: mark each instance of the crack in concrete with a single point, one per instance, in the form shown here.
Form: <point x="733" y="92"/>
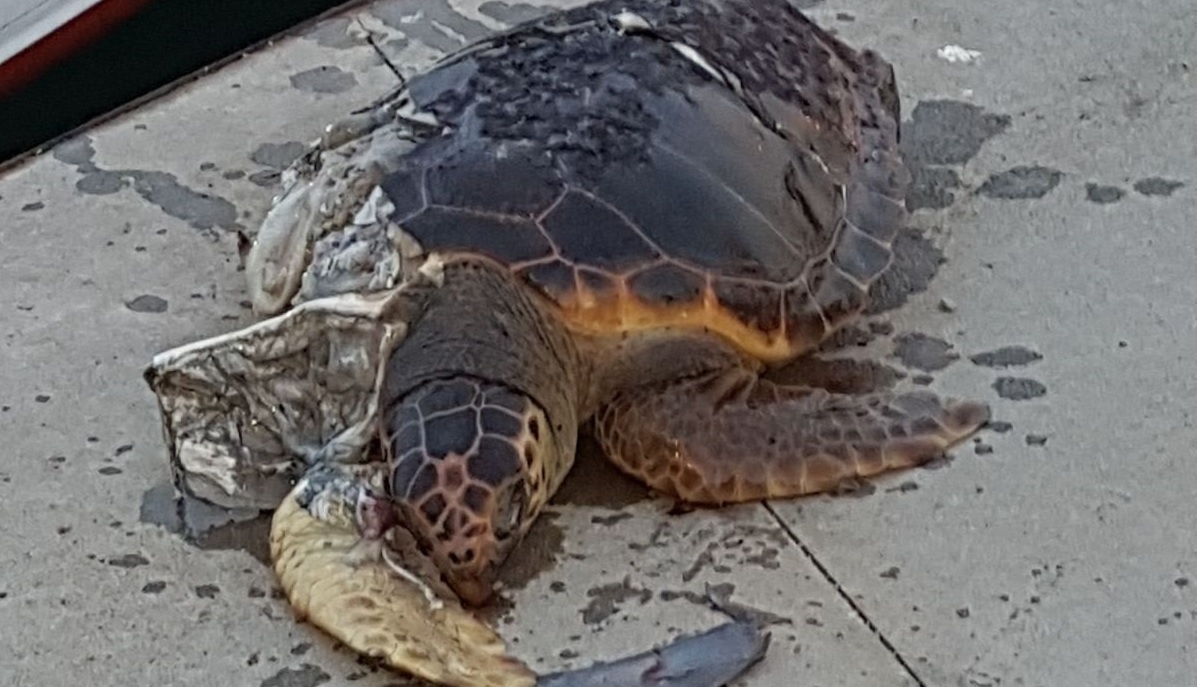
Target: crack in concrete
<point x="381" y="53"/>
<point x="845" y="597"/>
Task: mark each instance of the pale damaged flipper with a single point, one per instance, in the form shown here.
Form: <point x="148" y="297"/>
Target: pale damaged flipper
<point x="352" y="589"/>
<point x="239" y="410"/>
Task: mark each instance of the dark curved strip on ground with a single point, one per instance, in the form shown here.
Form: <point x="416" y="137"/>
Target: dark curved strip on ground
<point x="710" y="659"/>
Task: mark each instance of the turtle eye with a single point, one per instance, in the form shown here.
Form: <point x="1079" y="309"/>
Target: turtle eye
<point x="510" y="512"/>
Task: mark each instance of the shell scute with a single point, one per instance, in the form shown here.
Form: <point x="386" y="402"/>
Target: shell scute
<point x="503" y="180"/>
<point x="694" y="217"/>
<point x="668" y="285"/>
<point x="501" y="237"/>
<point x="860" y="256"/>
<point x="590" y="232"/>
<point x="405" y="190"/>
<point x="759" y="302"/>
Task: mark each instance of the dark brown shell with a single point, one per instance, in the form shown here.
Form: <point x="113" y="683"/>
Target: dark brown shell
<point x="734" y="168"/>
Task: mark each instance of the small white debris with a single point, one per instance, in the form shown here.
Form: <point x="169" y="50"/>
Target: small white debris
<point x="956" y="53"/>
<point x="691" y="54"/>
<point x="947" y="305"/>
<point x="630" y="22"/>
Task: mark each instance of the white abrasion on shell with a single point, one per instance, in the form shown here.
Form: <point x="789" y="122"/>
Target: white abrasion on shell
<point x="361" y="601"/>
<point x="630" y="22"/>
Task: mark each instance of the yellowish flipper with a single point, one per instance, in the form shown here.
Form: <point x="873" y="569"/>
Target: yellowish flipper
<point x="362" y="602"/>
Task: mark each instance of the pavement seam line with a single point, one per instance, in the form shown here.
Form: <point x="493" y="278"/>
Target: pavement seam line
<point x="381" y="54"/>
<point x="844" y="596"/>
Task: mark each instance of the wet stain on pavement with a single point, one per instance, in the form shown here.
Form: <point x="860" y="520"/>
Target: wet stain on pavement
<point x="326" y="78"/>
<point x="1157" y="186"/>
<point x="916" y="262"/>
<point x="278" y="155"/>
<point x="949" y="132"/>
<point x="100" y="183"/>
<point x="939" y="137"/>
<point x="608" y="599"/>
<point x="207" y="591"/>
<point x="265" y="178"/>
<point x="941" y="134"/>
<point x="1006" y="356"/>
<point x="1019" y="388"/>
<point x="432" y="22"/>
<point x="200" y="210"/>
<point x="1103" y="195"/>
<point x="918" y="351"/>
<point x="513" y="13"/>
<point x="147" y="303"/>
<point x="205" y="526"/>
<point x="1021" y="183"/>
<point x="334" y="33"/>
<point x="306" y="675"/>
<point x="536" y="554"/>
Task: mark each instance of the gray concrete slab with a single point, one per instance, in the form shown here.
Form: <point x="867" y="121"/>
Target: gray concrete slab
<point x="1061" y="557"/>
<point x="1061" y="563"/>
<point x="121" y="243"/>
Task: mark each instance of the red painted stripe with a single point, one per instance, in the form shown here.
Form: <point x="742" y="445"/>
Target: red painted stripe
<point x="65" y="41"/>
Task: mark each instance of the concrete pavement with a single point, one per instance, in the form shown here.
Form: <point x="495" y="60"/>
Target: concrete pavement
<point x="1054" y="151"/>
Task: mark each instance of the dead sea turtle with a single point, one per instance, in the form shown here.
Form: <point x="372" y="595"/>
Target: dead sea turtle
<point x="614" y="219"/>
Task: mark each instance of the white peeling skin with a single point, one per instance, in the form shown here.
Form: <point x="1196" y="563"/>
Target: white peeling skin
<point x="278" y="253"/>
<point x="315" y="240"/>
<point x="239" y="410"/>
<point x="370" y="254"/>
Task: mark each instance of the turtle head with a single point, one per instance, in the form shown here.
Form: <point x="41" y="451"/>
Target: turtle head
<point x="469" y="460"/>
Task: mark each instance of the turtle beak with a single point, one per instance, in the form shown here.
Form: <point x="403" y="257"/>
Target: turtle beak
<point x="474" y="590"/>
<point x="471" y="560"/>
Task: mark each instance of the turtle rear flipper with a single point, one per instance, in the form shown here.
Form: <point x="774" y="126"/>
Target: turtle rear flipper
<point x="729" y="436"/>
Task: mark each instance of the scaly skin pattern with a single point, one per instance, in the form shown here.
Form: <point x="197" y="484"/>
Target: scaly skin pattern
<point x="729" y="436"/>
<point x="468" y="466"/>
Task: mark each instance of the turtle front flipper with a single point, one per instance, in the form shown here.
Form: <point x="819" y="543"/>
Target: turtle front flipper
<point x="369" y="604"/>
<point x="730" y="436"/>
